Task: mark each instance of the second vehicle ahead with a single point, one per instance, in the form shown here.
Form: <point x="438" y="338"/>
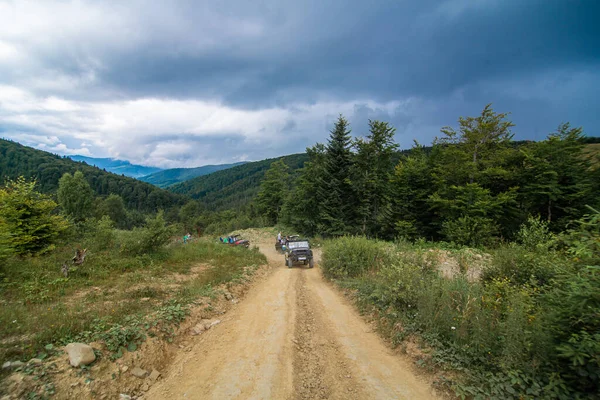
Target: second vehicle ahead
<point x="298" y="251"/>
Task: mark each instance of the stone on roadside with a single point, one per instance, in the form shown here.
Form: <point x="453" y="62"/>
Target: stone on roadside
<point x="6" y="365"/>
<point x="228" y="296"/>
<point x="80" y="354"/>
<point x="154" y="375"/>
<point x="35" y="361"/>
<point x="198" y="329"/>
<point x="140" y="373"/>
<point x="215" y="322"/>
<point x="124" y="396"/>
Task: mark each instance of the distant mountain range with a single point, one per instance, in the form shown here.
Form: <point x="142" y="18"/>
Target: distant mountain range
<point x="169" y="177"/>
<point x="119" y="167"/>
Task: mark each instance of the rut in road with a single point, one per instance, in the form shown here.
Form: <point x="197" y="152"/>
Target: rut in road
<point x="292" y="337"/>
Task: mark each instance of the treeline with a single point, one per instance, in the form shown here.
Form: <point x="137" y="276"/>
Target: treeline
<point x="47" y="169"/>
<point x="233" y="188"/>
<point x="475" y="186"/>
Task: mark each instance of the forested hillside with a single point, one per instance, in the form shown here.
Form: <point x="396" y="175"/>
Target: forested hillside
<point x="119" y="167"/>
<point x="46" y="168"/>
<point x="233" y="188"/>
<point x="172" y="176"/>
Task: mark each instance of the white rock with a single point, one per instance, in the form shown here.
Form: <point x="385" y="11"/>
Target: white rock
<point x="124" y="396"/>
<point x="80" y="354"/>
<point x="6" y="365"/>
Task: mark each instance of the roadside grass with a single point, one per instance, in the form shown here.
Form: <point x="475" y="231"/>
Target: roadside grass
<point x="39" y="306"/>
<point x="495" y="331"/>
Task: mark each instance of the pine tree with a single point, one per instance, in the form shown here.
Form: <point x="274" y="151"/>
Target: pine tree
<point x="303" y="205"/>
<point x="28" y="217"/>
<point x="408" y="213"/>
<point x="556" y="180"/>
<point x="372" y="170"/>
<point x="337" y="209"/>
<point x="75" y="196"/>
<point x="273" y="191"/>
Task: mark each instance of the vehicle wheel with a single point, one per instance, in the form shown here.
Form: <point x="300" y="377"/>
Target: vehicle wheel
<point x="290" y="263"/>
<point x="311" y="263"/>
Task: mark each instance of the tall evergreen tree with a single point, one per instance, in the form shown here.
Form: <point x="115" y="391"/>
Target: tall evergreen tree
<point x="556" y="177"/>
<point x="408" y="213"/>
<point x="371" y="173"/>
<point x="337" y="209"/>
<point x="75" y="196"/>
<point x="302" y="208"/>
<point x="273" y="191"/>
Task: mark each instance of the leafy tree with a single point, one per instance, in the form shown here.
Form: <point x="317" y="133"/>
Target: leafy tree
<point x="6" y="249"/>
<point x="28" y="215"/>
<point x="477" y="149"/>
<point x="75" y="196"/>
<point x="114" y="208"/>
<point x="474" y="178"/>
<point x="337" y="209"/>
<point x="190" y="214"/>
<point x="273" y="191"/>
<point x="372" y="170"/>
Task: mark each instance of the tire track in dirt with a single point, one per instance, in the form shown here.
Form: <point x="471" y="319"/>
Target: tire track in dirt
<point x="320" y="368"/>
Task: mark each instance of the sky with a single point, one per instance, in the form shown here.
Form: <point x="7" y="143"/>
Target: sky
<point x="189" y="83"/>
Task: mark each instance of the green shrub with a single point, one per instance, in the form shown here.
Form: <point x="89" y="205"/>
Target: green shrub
<point x="154" y="235"/>
<point x="351" y="256"/>
<point x="572" y="317"/>
<point x="470" y="231"/>
<point x="524" y="266"/>
<point x="535" y="235"/>
<point x="29" y="217"/>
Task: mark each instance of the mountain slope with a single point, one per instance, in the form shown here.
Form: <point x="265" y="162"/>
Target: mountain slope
<point x="47" y="168"/>
<point x="234" y="187"/>
<point x="117" y="166"/>
<point x="172" y="176"/>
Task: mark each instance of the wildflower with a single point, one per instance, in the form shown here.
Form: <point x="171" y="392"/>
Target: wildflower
<point x="453" y="328"/>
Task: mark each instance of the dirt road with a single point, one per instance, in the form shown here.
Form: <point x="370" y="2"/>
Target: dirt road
<point x="292" y="337"/>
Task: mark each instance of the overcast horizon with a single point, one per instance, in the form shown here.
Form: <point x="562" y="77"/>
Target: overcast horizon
<point x="184" y="84"/>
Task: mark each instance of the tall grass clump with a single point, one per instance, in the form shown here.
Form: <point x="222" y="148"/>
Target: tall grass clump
<point x="351" y="256"/>
<point x="529" y="328"/>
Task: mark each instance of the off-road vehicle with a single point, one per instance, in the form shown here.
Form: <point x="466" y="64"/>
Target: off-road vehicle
<point x="298" y="251"/>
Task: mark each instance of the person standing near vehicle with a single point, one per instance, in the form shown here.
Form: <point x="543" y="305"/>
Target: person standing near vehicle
<point x="279" y="237"/>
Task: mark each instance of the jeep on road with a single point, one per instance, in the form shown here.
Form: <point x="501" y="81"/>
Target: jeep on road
<point x="298" y="251"/>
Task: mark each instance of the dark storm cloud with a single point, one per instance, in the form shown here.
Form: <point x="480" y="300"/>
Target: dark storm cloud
<point x="381" y="52"/>
<point x="246" y="80"/>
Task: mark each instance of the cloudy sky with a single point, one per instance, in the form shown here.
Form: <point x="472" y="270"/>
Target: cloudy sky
<point x="188" y="83"/>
